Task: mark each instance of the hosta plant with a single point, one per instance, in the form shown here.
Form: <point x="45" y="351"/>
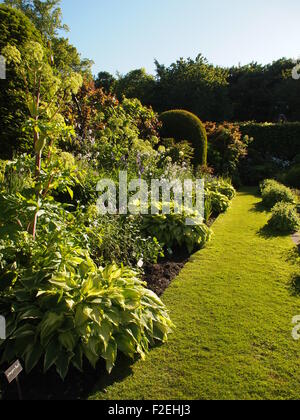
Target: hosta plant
<point x="63" y="308"/>
<point x="219" y="202"/>
<point x="221" y="186"/>
<point x="172" y="230"/>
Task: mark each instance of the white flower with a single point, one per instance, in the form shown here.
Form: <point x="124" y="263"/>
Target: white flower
<point x="140" y="263"/>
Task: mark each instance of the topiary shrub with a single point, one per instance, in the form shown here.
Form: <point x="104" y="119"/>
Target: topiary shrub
<point x="284" y="218"/>
<point x="273" y="192"/>
<point x="183" y="125"/>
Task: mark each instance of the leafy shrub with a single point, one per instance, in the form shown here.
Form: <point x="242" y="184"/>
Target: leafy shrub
<point x="144" y="118"/>
<point x="172" y="230"/>
<point x="219" y="202"/>
<point x="226" y="147"/>
<point x="178" y="151"/>
<point x="285" y="218"/>
<point x="292" y="178"/>
<point x="183" y="125"/>
<point x="60" y="308"/>
<point x="268" y="183"/>
<point x="218" y="193"/>
<point x="273" y="193"/>
<point x="119" y="239"/>
<point x="222" y="186"/>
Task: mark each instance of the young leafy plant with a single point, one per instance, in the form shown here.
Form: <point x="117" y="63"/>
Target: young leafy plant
<point x="62" y="309"/>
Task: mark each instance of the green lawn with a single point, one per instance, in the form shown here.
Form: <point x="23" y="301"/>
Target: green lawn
<point x="233" y="307"/>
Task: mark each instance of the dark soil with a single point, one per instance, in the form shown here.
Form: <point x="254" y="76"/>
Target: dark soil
<point x="159" y="276"/>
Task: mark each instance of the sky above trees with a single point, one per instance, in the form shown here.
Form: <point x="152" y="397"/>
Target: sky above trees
<point x="123" y="35"/>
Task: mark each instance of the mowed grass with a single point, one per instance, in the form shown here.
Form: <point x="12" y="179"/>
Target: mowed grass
<point x="233" y="306"/>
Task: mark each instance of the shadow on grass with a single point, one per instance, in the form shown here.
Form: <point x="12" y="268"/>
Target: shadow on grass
<point x="249" y="190"/>
<point x="268" y="233"/>
<point x="294" y="285"/>
<point x="77" y="385"/>
<point x="259" y="208"/>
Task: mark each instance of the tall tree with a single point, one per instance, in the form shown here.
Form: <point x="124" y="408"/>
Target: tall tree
<point x="46" y="93"/>
<point x="106" y="81"/>
<point x="15" y="29"/>
<point x="136" y="84"/>
<point x="46" y="15"/>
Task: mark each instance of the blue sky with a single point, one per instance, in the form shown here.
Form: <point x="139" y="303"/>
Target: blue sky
<point x="127" y="34"/>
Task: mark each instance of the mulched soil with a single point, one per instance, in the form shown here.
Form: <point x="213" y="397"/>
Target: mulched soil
<point x="159" y="276"/>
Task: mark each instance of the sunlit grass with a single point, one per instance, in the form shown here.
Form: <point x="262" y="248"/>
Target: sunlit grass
<point x="233" y="306"/>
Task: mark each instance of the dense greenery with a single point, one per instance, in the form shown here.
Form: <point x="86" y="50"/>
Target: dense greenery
<point x="71" y="267"/>
<point x="274" y="192"/>
<point x="226" y="148"/>
<point x="285" y="218"/>
<point x="17" y="30"/>
<point x="246" y="93"/>
<point x="281" y="141"/>
<point x="183" y="125"/>
<point x="70" y="278"/>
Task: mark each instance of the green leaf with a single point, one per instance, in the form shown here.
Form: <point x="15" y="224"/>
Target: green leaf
<point x="90" y="351"/>
<point x="26" y="330"/>
<point x="30" y="313"/>
<point x="51" y="355"/>
<point x="7" y="279"/>
<point x="49" y="325"/>
<point x="62" y="363"/>
<point x="33" y="355"/>
<point x="110" y="355"/>
<point x="104" y="331"/>
<point x="67" y="340"/>
<point x="70" y="192"/>
<point x="78" y="358"/>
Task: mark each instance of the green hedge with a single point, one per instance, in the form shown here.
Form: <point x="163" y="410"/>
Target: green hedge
<point x="277" y="140"/>
<point x="183" y="125"/>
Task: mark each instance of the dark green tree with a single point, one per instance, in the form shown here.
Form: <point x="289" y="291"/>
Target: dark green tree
<point x="106" y="81"/>
<point x="194" y="85"/>
<point x="136" y="84"/>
